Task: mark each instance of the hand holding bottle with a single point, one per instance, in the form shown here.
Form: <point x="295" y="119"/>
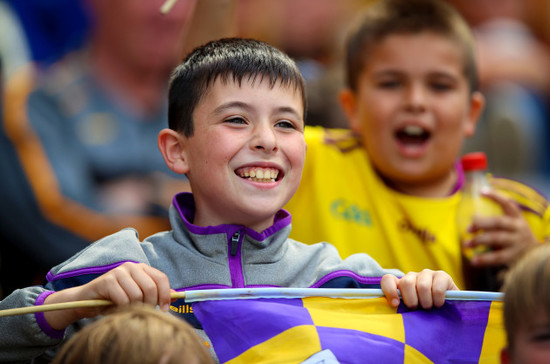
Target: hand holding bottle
<point x="492" y="228"/>
<point x="501" y="238"/>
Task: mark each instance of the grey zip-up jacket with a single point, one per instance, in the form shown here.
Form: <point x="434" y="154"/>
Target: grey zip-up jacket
<point x="193" y="257"/>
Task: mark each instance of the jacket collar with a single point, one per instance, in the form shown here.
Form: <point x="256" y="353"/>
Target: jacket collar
<point x="185" y="206"/>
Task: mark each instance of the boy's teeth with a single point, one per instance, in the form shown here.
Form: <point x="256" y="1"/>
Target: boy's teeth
<point x="258" y="174"/>
<point x="413" y="130"/>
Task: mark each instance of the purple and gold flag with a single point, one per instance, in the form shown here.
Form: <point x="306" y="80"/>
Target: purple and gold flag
<point x="286" y="330"/>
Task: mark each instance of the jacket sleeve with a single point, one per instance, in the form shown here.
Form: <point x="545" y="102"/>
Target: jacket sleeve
<point x="24" y="337"/>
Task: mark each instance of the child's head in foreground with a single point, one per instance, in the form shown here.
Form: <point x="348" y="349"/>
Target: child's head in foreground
<point x="412" y="88"/>
<point x="527" y="308"/>
<point x="236" y="118"/>
<point x="135" y="334"/>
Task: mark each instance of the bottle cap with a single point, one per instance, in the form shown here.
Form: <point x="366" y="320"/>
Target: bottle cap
<point x="474" y="161"/>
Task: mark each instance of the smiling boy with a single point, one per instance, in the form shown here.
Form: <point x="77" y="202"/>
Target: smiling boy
<point x="236" y="112"/>
<point x="248" y="146"/>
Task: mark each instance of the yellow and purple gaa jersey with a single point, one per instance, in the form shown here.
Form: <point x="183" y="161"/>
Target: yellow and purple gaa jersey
<point x="343" y="201"/>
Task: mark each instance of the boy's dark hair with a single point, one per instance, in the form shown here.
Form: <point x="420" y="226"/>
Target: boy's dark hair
<point x="227" y="58"/>
<point x="390" y="17"/>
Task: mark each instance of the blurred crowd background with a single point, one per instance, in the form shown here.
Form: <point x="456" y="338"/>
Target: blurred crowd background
<point x="513" y="39"/>
<point x="514" y="60"/>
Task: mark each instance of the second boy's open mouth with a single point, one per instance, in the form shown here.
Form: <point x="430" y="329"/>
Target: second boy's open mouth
<point x="258" y="174"/>
<point x="412" y="135"/>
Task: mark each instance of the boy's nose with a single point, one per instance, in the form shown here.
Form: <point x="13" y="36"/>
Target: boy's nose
<point x="416" y="98"/>
<point x="264" y="138"/>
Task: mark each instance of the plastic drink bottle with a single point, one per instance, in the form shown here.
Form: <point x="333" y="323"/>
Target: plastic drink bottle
<point x="473" y="204"/>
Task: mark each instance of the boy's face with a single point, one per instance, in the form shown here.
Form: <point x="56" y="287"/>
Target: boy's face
<point x="413" y="108"/>
<point x="531" y="343"/>
<point x="245" y="158"/>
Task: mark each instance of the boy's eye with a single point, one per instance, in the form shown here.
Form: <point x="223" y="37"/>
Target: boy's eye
<point x="285" y="124"/>
<point x="389" y="84"/>
<point x="441" y="86"/>
<point x="439" y="83"/>
<point x="236" y="120"/>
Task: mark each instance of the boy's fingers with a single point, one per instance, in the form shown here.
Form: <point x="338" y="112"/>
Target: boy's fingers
<point x="494" y="257"/>
<point x="162" y="286"/>
<point x="442" y="282"/>
<point x="116" y="293"/>
<point x="153" y="284"/>
<point x="137" y="282"/>
<point x="143" y="278"/>
<point x="493" y="223"/>
<point x="424" y="286"/>
<point x="389" y="287"/>
<point x="128" y="280"/>
<point x="492" y="239"/>
<point x="509" y="206"/>
<point x="407" y="286"/>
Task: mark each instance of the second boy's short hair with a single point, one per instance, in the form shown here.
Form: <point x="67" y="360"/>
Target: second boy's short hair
<point x="391" y="17"/>
<point x="226" y="59"/>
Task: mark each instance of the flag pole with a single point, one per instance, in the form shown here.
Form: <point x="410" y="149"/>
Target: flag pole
<point x="251" y="293"/>
<point x="351" y="293"/>
<point x="67" y="305"/>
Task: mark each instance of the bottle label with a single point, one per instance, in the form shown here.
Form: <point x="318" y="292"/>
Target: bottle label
<point x="469" y="208"/>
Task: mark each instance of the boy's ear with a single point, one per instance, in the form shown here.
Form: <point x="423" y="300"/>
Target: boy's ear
<point x="171" y="145"/>
<point x="477" y="104"/>
<point x="348" y="102"/>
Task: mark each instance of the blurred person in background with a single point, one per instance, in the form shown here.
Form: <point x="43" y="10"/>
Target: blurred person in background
<point x="83" y="159"/>
<point x="14" y="50"/>
<point x="538" y="17"/>
<point x="42" y="31"/>
<point x="514" y="72"/>
<point x="311" y="32"/>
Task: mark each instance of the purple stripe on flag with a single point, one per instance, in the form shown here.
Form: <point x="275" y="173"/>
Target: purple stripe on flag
<point x="256" y="316"/>
<point x="352" y="346"/>
<point x="452" y="332"/>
